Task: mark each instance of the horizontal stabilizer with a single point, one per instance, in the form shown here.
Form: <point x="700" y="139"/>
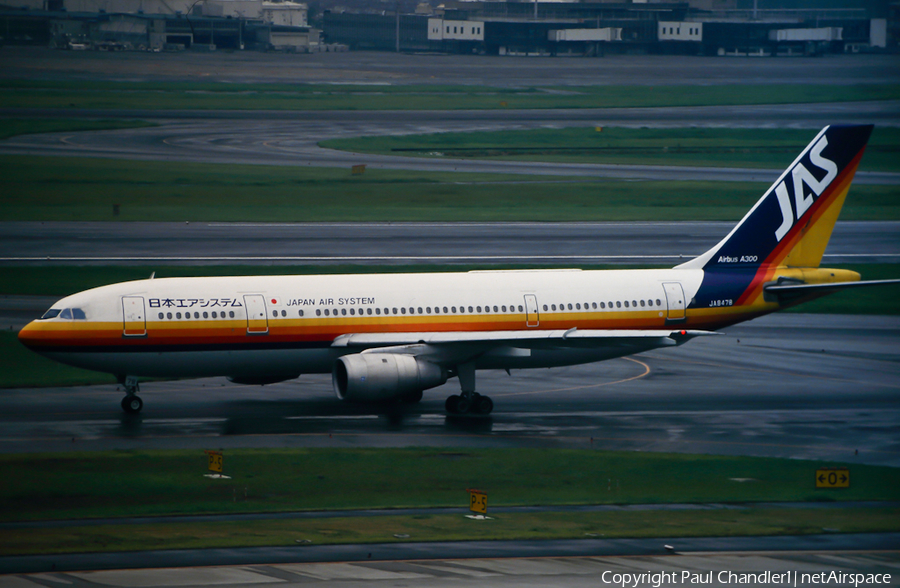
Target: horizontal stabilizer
<point x="787" y="292"/>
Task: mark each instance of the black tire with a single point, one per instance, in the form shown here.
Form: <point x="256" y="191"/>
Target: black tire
<point x="132" y="404"/>
<point x="484" y="405"/>
<point x="452" y="404"/>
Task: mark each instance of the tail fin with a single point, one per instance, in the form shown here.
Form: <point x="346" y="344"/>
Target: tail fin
<point x="791" y="224"/>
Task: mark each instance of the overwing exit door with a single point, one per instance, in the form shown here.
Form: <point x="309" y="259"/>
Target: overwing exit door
<point x="257" y="319"/>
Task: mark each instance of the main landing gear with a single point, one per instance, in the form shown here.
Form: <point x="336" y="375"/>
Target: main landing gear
<point x="473" y="403"/>
<point x="132" y="403"/>
<point x="469" y="402"/>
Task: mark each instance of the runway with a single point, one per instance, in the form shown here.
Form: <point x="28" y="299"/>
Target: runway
<point x="796" y="386"/>
<point x="490" y="564"/>
<point x="664" y="244"/>
<point x="292" y="138"/>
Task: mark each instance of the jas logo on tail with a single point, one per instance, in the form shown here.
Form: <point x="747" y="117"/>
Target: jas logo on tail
<point x="801" y="176"/>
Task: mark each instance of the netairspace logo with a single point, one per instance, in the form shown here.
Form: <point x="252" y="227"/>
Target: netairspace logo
<point x="728" y="578"/>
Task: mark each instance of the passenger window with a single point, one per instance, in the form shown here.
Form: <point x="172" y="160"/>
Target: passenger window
<point x="618" y="304"/>
<point x="495" y="309"/>
<point x="642" y="303"/>
<point x="378" y="311"/>
<point x="419" y="310"/>
<point x="353" y="311"/>
<point x="427" y="310"/>
<point x="169" y="315"/>
<point x="602" y="305"/>
<point x="301" y="312"/>
<point x="231" y="314"/>
<point x="553" y="307"/>
<point x="470" y="309"/>
<point x="368" y="311"/>
<point x="160" y="316"/>
<point x="318" y="312"/>
<point x="545" y="308"/>
<point x="658" y="302"/>
<point x="178" y="315"/>
<point x="521" y="309"/>
<point x="626" y="304"/>
<point x="403" y="311"/>
<point x="445" y="310"/>
<point x="327" y="312"/>
<point x="344" y="311"/>
<point x="578" y="306"/>
<point x="634" y="303"/>
<point x="478" y="308"/>
<point x="570" y="306"/>
<point x="594" y="305"/>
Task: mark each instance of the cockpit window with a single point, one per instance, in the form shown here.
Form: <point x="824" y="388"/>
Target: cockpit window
<point x="65" y="313"/>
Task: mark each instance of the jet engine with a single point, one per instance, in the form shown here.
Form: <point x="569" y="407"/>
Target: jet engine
<point x="383" y="376"/>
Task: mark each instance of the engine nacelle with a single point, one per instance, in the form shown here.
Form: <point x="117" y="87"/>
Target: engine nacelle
<point x="382" y="376"/>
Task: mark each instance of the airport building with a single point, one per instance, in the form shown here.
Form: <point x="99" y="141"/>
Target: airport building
<point x="552" y="28"/>
<point x="156" y="25"/>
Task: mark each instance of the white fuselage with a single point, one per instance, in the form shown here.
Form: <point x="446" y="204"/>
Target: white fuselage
<point x="283" y="326"/>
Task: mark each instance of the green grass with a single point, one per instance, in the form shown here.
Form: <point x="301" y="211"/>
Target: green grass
<point x="149" y="483"/>
<point x="215" y="96"/>
<point x="753" y="148"/>
<point x="87" y="189"/>
<point x="751" y="521"/>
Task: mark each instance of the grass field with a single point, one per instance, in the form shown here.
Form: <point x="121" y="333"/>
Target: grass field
<point x="150" y="483"/>
<point x="217" y="96"/>
<point x="706" y="147"/>
<point x="136" y="483"/>
<point x="744" y="521"/>
<point x="87" y="189"/>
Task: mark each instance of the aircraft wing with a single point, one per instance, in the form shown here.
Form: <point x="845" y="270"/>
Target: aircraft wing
<point x="581" y="338"/>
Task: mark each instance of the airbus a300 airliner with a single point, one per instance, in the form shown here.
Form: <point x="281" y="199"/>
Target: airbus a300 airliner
<point x="389" y="337"/>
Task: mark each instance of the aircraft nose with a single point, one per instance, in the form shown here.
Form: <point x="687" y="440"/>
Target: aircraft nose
<point x="28" y="336"/>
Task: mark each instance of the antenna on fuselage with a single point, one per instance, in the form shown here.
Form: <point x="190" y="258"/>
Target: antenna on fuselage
<point x="153" y="275"/>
